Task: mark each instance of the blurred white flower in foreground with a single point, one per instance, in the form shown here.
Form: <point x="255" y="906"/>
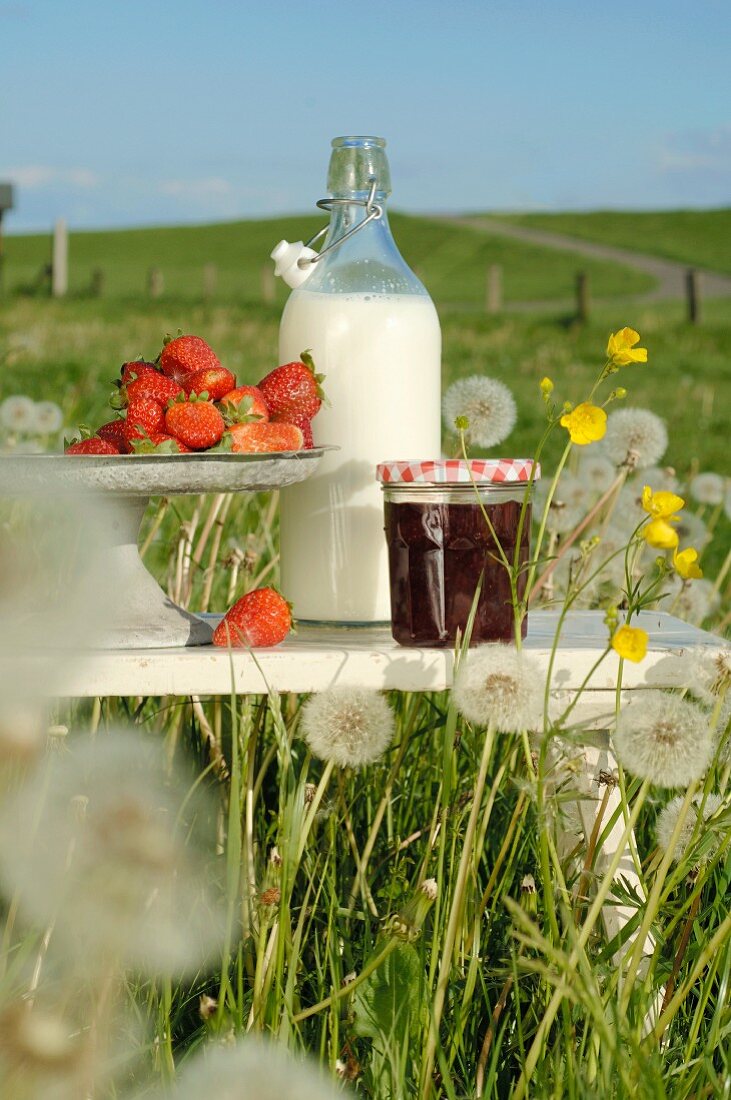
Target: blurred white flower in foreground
<point x="42" y="1056"/>
<point x="664" y="738"/>
<point x="693" y="601"/>
<point x="488" y="405"/>
<point x="18" y="414"/>
<point x="668" y="819"/>
<point x="94" y="845"/>
<point x="498" y="685"/>
<point x="708" y="488"/>
<point x="350" y="726"/>
<point x="635" y="436"/>
<point x="253" y="1070"/>
<point x="48" y="418"/>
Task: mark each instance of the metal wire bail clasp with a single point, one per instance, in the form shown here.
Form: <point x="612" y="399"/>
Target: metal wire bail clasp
<point x="373" y="210"/>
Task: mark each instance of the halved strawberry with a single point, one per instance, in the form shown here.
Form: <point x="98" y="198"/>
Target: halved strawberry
<point x="113" y="432"/>
<point x="93" y="445"/>
<point x="246" y="401"/>
<point x="260" y="618"/>
<point x="144" y="416"/>
<point x="263" y="438"/>
<point x="215" y="381"/>
<point x="196" y="423"/>
<point x="293" y="390"/>
<point x="185" y="354"/>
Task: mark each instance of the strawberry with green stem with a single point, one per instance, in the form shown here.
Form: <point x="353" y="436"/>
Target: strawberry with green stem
<point x="293" y="390"/>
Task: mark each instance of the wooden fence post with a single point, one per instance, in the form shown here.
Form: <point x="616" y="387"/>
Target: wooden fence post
<point x="60" y="260"/>
<point x="210" y="280"/>
<point x="98" y="280"/>
<point x="494" y="289"/>
<point x="268" y="284"/>
<point x="693" y="293"/>
<point x="155" y="282"/>
<point x="582" y="296"/>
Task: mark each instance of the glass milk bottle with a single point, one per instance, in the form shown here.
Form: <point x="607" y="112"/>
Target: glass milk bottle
<point x="374" y="333"/>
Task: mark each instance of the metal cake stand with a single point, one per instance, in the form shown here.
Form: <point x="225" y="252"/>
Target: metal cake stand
<point x="144" y="615"/>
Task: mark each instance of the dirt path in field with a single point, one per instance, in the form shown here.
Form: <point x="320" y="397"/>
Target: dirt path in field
<point x="668" y="274"/>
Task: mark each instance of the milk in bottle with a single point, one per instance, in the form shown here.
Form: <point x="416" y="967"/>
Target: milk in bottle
<point x="373" y="332"/>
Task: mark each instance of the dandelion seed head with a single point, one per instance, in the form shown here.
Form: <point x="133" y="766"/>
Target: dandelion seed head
<point x="668" y="819"/>
<point x="708" y="488"/>
<point x="48" y="418"/>
<point x="660" y="478"/>
<point x="692" y="531"/>
<point x="350" y="726"/>
<point x="664" y="738"/>
<point x="253" y="1070"/>
<point x="429" y="888"/>
<point x="570" y="503"/>
<point x="636" y="436"/>
<point x="488" y="405"/>
<point x="693" y="602"/>
<point x="17" y="414"/>
<point x="497" y="684"/>
<point x="596" y="472"/>
<point x="106" y="860"/>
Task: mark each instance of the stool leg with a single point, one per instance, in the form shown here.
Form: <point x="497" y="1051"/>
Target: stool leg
<point x="615" y="917"/>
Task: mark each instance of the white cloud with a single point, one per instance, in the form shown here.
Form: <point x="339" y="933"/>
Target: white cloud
<point x="39" y="176"/>
<point x="691" y="151"/>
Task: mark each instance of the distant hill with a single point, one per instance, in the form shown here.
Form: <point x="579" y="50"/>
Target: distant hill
<point x="699" y="237"/>
<point x="452" y="260"/>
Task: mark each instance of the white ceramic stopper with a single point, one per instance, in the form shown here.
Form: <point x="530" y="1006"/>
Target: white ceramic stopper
<point x="286" y="257"/>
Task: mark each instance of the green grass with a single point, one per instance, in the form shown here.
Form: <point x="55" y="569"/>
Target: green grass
<point x="452" y="260"/>
<point x="698" y="237"/>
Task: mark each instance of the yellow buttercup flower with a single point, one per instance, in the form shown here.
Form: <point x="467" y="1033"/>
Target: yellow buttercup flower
<point x="585" y="424"/>
<point x="660" y="534"/>
<point x="686" y="564"/>
<point x="661" y="505"/>
<point x="630" y="642"/>
<point x="621" y="348"/>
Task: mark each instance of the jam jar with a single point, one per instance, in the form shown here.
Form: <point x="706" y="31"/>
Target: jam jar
<point x="440" y="546"/>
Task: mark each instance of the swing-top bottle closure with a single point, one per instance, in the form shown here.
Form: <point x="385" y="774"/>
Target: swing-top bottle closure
<point x="295" y="262"/>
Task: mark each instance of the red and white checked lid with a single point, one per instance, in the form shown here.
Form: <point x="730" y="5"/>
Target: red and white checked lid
<point x="450" y="471"/>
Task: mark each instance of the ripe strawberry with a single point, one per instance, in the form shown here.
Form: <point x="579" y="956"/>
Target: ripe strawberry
<point x="262" y="438"/>
<point x="198" y="424"/>
<point x="93" y="445"/>
<point x="159" y="443"/>
<point x="186" y="354"/>
<point x="260" y="618"/>
<point x="215" y="381"/>
<point x="134" y="369"/>
<point x="151" y="383"/>
<point x="144" y="416"/>
<point x="246" y="400"/>
<point x="305" y="427"/>
<point x="113" y="432"/>
<point x="293" y="390"/>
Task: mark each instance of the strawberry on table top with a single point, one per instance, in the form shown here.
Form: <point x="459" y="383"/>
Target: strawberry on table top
<point x="263" y="438"/>
<point x="244" y="400"/>
<point x="260" y="618"/>
<point x="113" y="432"/>
<point x="92" y="446"/>
<point x="186" y="354"/>
<point x="215" y="381"/>
<point x="196" y="423"/>
<point x="144" y="416"/>
<point x="293" y="389"/>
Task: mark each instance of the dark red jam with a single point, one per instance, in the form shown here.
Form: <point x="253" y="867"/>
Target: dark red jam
<point x="437" y="553"/>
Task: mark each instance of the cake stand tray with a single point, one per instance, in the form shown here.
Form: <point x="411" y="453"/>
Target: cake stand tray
<point x="144" y="616"/>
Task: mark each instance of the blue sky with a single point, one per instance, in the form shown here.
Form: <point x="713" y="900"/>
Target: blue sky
<point x="133" y="113"/>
